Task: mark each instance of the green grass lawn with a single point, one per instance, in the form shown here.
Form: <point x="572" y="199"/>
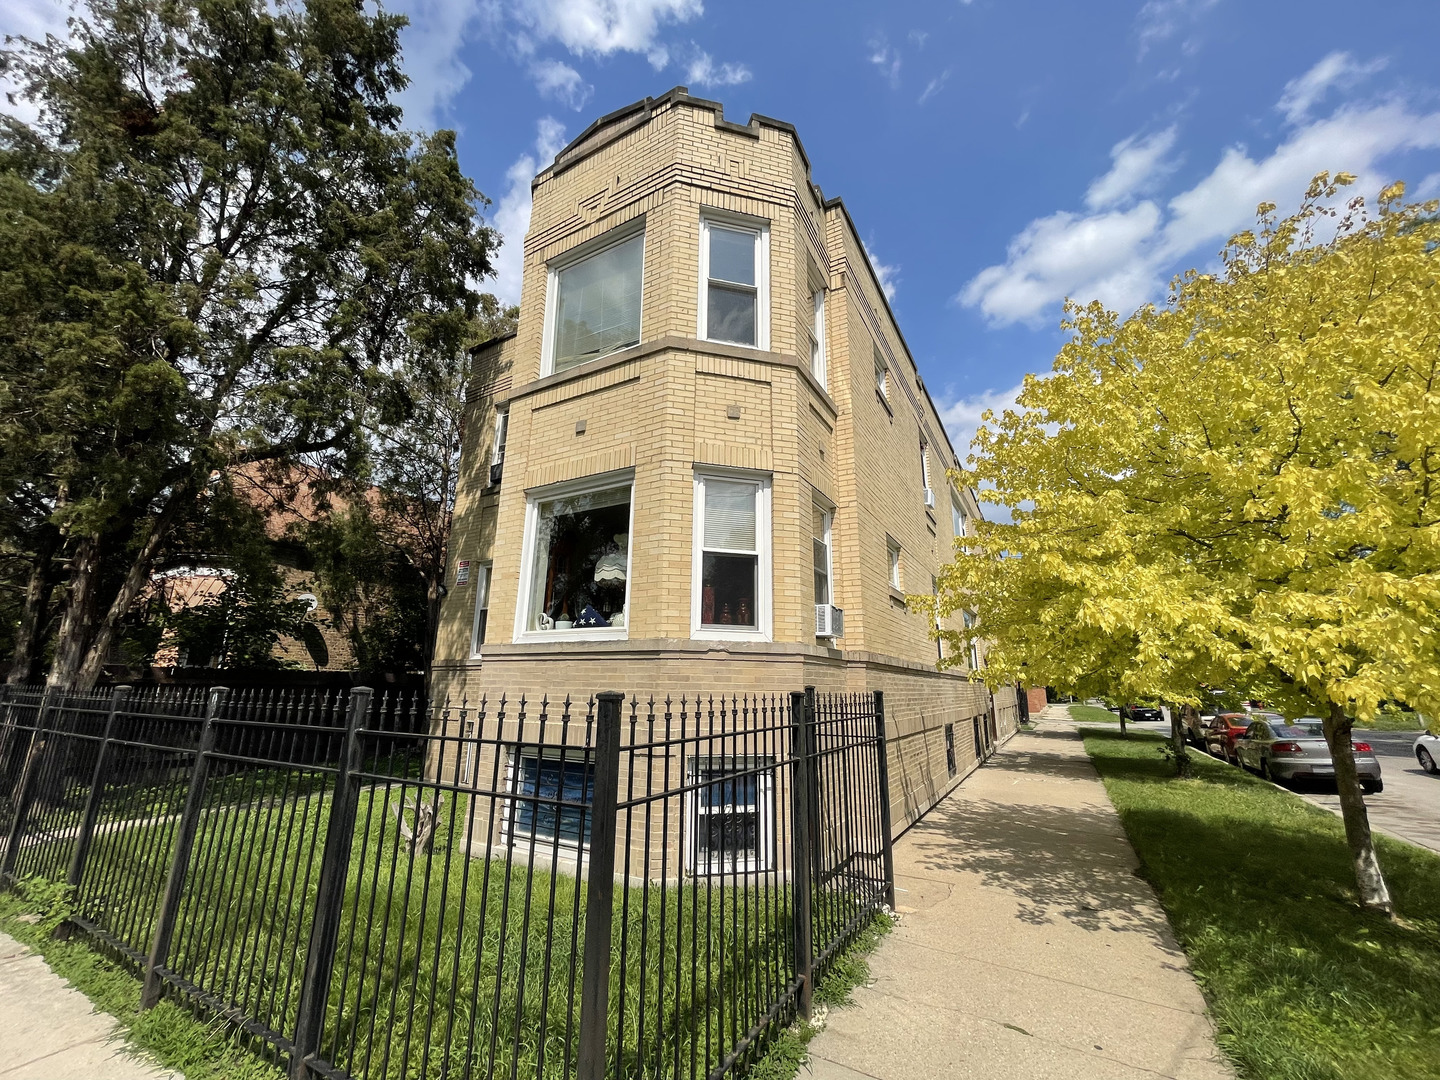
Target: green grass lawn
<point x="442" y="958"/>
<point x="1257" y="883"/>
<point x="1093" y="714"/>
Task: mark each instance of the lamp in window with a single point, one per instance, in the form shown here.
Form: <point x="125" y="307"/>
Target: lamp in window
<point x="611" y="566"/>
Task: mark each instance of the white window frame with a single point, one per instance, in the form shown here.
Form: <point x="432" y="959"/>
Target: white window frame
<point x="764" y="859"/>
<point x="502" y="432"/>
<point x="819" y="362"/>
<point x="574" y="257"/>
<point x="481" y="575"/>
<point x="959" y="520"/>
<point x="893" y="552"/>
<point x="763" y="628"/>
<point x="533" y="499"/>
<point x="736" y="223"/>
<point x="829" y="518"/>
<point x="509" y="835"/>
<point x="882" y="374"/>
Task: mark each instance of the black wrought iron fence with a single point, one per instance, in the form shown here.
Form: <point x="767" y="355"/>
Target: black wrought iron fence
<point x="603" y="888"/>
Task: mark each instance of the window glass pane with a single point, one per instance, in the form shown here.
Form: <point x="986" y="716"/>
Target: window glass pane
<point x="598" y="310"/>
<point x="731" y="315"/>
<point x="732" y="255"/>
<point x="582" y="549"/>
<point x="728" y="590"/>
<point x="482" y="607"/>
<point x="570" y="783"/>
<point x="729" y="515"/>
<point x="730" y="817"/>
<point x="822" y="573"/>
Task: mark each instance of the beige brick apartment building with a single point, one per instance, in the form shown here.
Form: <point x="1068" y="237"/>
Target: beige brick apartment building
<point x="704" y="442"/>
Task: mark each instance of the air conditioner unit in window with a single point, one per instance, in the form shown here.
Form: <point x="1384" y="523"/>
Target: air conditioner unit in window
<point x="929" y="499"/>
<point x="829" y="621"/>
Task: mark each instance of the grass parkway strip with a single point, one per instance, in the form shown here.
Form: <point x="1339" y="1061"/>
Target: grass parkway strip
<point x="1257" y="883"/>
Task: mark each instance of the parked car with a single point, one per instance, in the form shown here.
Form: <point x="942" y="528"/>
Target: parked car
<point x="1287" y="750"/>
<point x="1221" y="733"/>
<point x="1427" y="752"/>
<point x="1141" y="713"/>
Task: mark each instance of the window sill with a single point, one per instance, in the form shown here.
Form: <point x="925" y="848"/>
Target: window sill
<point x="588" y="633"/>
<point x="716" y="633"/>
<point x="897" y="595"/>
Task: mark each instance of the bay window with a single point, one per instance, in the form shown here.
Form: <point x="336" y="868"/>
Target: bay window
<point x="734" y="276"/>
<point x="482" y="608"/>
<point x="577" y="555"/>
<point x="817" y="342"/>
<point x="731" y="566"/>
<point x="820" y="545"/>
<point x="593" y="302"/>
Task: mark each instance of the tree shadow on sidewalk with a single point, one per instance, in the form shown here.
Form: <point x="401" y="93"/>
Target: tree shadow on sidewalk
<point x="1061" y="862"/>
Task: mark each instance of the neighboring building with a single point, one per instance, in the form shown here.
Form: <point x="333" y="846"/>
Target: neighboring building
<point x="704" y="442"/>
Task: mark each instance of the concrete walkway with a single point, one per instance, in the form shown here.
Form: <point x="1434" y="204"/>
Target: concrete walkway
<point x="50" y="1031"/>
<point x="1027" y="948"/>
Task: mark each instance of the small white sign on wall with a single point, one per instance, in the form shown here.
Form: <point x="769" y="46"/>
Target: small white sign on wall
<point x="462" y="573"/>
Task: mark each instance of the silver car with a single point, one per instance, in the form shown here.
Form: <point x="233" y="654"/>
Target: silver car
<point x="1284" y="750"/>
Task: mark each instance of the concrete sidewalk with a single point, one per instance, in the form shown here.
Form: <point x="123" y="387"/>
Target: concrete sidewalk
<point x="50" y="1031"/>
<point x="1027" y="948"/>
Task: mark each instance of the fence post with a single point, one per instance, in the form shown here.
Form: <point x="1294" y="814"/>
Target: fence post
<point x="25" y="790"/>
<point x="180" y="862"/>
<point x="330" y="892"/>
<point x="882" y="754"/>
<point x="76" y="875"/>
<point x="600" y="889"/>
<point x="800" y="831"/>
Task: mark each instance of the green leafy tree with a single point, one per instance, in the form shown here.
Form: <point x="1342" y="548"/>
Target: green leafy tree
<point x="241" y="249"/>
<point x="1238" y="489"/>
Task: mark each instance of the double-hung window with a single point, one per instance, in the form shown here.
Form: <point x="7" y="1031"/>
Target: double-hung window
<point x="482" y="608"/>
<point x="734" y="276"/>
<point x="576" y="557"/>
<point x="892" y="550"/>
<point x="958" y="519"/>
<point x="552" y="793"/>
<point x="820" y="544"/>
<point x="593" y="302"/>
<point x="732" y="819"/>
<point x="497" y="453"/>
<point x="731" y="569"/>
<point x="882" y="374"/>
<point x="817" y="342"/>
<point x="970" y="621"/>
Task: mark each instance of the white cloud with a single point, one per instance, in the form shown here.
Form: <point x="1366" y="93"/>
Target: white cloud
<point x="1120" y="257"/>
<point x="431" y="47"/>
<point x="962" y="415"/>
<point x="512" y="215"/>
<point x="602" y="27"/>
<point x="887" y="275"/>
<point x="703" y="71"/>
<point x="558" y="81"/>
<point x="886" y="59"/>
<point x="1138" y="163"/>
<point x="1429" y="187"/>
<point x="1337" y="69"/>
<point x="1161" y="20"/>
<point x="934" y="86"/>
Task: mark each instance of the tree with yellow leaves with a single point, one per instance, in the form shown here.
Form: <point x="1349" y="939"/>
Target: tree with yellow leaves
<point x="1241" y="488"/>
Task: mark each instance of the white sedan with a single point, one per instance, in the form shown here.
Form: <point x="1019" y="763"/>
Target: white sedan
<point x="1427" y="752"/>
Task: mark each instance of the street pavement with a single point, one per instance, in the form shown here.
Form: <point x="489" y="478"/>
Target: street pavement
<point x="1028" y="946"/>
<point x="1409" y="807"/>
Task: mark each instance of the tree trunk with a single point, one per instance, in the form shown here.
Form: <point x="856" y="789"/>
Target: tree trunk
<point x="30" y="635"/>
<point x="1124" y="716"/>
<point x="136" y="578"/>
<point x="1183" y="767"/>
<point x="77" y="621"/>
<point x="1374" y="893"/>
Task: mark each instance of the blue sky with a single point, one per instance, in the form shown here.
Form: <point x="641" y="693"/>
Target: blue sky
<point x="996" y="155"/>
